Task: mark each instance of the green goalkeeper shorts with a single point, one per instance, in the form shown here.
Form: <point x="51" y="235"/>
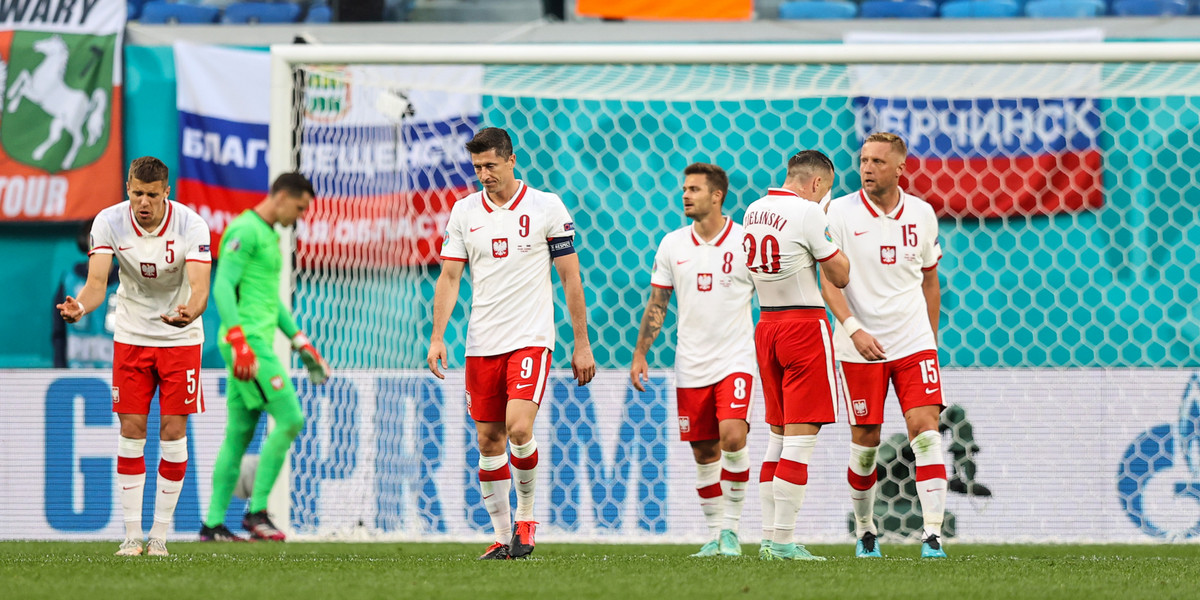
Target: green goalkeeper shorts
<point x="271" y="386"/>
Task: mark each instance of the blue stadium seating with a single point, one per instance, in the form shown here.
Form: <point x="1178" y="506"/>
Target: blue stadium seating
<point x="1064" y="9"/>
<point x="898" y="9"/>
<point x="980" y="9"/>
<point x="159" y="12"/>
<point x="1149" y="8"/>
<point x="818" y="9"/>
<point x="261" y="12"/>
<point x="319" y="13"/>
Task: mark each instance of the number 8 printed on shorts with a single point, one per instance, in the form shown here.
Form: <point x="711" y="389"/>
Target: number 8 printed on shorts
<point x="739" y="388"/>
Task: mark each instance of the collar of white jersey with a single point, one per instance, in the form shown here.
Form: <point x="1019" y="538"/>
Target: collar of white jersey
<point x="781" y="192"/>
<point x="512" y="202"/>
<point x="717" y="240"/>
<point x="161" y="226"/>
<point x="896" y="212"/>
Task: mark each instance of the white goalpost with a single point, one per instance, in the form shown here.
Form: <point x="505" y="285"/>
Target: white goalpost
<point x="1062" y="173"/>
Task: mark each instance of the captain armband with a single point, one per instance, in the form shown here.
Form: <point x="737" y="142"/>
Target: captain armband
<point x="561" y="246"/>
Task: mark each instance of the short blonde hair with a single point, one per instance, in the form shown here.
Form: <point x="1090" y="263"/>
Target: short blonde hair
<point x="889" y="138"/>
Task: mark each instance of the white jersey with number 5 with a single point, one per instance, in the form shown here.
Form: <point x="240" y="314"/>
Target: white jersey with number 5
<point x="153" y="272"/>
<point x="889" y="254"/>
<point x="508" y="250"/>
<point x="713" y="292"/>
<point x="786" y="236"/>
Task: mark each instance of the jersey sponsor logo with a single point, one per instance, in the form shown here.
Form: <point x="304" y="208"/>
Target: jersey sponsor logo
<point x="116" y="395"/>
<point x="858" y="233"/>
<point x="149" y="270"/>
<point x="277" y="382"/>
<point x="860" y="407"/>
<point x="521" y="386"/>
<point x="704" y="282"/>
<point x="499" y="247"/>
<point x="189" y="400"/>
<point x="680" y="262"/>
<point x="931" y="390"/>
<point x="474" y="229"/>
<point x="685" y="425"/>
<point x="568" y="227"/>
<point x="887" y="255"/>
<point x="203" y="247"/>
<point x="733" y="405"/>
<point x="124" y="248"/>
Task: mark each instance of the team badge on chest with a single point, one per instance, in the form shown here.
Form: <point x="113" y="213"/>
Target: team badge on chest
<point x="887" y="255"/>
<point x="499" y="247"/>
<point x="704" y="282"/>
<point x="149" y="270"/>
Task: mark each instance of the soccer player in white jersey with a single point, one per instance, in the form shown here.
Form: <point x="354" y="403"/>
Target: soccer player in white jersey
<point x="887" y="331"/>
<point x="786" y="238"/>
<point x="704" y="265"/>
<point x="162" y="251"/>
<point x="510" y="234"/>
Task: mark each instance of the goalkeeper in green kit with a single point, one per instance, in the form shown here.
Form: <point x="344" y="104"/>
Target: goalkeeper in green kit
<point x="246" y="292"/>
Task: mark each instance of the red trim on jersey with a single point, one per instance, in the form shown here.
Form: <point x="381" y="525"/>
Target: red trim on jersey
<point x="835" y="253"/>
<point x="781" y="192"/>
<point x="871" y="208"/>
<point x="930" y="268"/>
<point x="484" y="199"/>
<point x="93" y="250"/>
<point x="663" y="287"/>
<point x="197" y="260"/>
<point x="867" y="203"/>
<point x="136" y="228"/>
<point x="167" y="220"/>
<point x="720" y="237"/>
<point x="520" y="196"/>
<point x="725" y="234"/>
<point x="454" y="258"/>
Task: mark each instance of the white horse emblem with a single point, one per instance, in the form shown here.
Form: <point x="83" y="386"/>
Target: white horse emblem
<point x="69" y="108"/>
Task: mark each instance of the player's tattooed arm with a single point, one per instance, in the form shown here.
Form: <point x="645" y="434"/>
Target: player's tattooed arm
<point x="652" y="322"/>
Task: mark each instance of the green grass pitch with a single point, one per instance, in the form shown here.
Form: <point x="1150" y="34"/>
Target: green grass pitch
<point x="295" y="571"/>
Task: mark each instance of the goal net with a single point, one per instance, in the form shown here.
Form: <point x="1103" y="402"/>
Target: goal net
<point x="1063" y="176"/>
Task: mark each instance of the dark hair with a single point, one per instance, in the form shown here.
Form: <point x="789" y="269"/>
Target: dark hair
<point x="491" y="138"/>
<point x="293" y="184"/>
<point x="896" y="141"/>
<point x="717" y="179"/>
<point x="808" y="163"/>
<point x="148" y="169"/>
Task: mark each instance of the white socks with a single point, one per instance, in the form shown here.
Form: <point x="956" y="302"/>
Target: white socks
<point x="791" y="478"/>
<point x="735" y="473"/>
<point x="495" y="482"/>
<point x="766" y="488"/>
<point x="708" y="487"/>
<point x="131" y="481"/>
<point x="171" y="470"/>
<point x="861" y="476"/>
<point x="524" y="465"/>
<point x="931" y="479"/>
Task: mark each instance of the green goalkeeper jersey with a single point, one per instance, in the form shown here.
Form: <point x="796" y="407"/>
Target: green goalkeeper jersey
<point x="246" y="288"/>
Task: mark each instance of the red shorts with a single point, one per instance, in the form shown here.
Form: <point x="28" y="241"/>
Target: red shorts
<point x="173" y="370"/>
<point x="494" y="380"/>
<point x="795" y="361"/>
<point x="916" y="379"/>
<point x="702" y="409"/>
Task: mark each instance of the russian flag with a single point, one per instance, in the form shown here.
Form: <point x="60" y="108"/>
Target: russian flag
<point x="224" y="111"/>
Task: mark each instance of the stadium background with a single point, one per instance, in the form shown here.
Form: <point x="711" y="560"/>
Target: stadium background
<point x="1111" y="288"/>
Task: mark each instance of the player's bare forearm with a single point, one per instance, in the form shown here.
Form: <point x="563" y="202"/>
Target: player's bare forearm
<point x="835" y="299"/>
<point x="93" y="292"/>
<point x="445" y="294"/>
<point x="836" y="270"/>
<point x="652" y="319"/>
<point x="932" y="288"/>
<point x="199" y="275"/>
<point x="572" y="282"/>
